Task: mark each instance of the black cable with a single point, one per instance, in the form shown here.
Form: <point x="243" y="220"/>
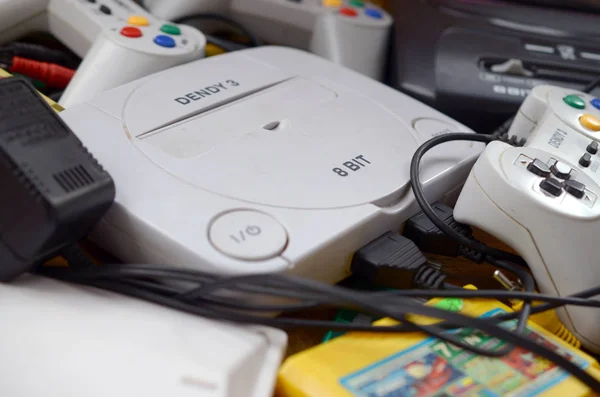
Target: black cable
<point x="254" y="40"/>
<point x="432" y="215"/>
<point x="399" y="312"/>
<point x="77" y="258"/>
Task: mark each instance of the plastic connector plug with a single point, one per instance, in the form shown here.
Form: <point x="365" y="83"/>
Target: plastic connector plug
<point x="394" y="261"/>
<point x="432" y="240"/>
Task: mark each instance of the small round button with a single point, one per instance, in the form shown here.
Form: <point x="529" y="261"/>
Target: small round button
<point x="585" y="160"/>
<point x="595" y="103"/>
<point x="130" y="31"/>
<point x="373" y="13"/>
<point x="137" y="20"/>
<point x="592" y="148"/>
<point x="170" y="29"/>
<point x="348" y="12"/>
<point x="105" y="10"/>
<point x="332" y="3"/>
<point x="590" y="122"/>
<point x="561" y="170"/>
<point x="164" y="41"/>
<point x="574" y="101"/>
<point x="248" y="235"/>
<point x="357" y="3"/>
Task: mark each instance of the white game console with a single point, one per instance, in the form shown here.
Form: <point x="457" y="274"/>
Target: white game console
<point x="269" y="159"/>
<point x="118" y="40"/>
<point x="353" y="33"/>
<point x="76" y="341"/>
<point x="542" y="199"/>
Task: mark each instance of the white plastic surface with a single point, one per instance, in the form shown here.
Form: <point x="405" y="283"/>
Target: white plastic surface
<point x="357" y="42"/>
<point x="20" y="17"/>
<point x="325" y="153"/>
<point x="248" y="235"/>
<point x="61" y="340"/>
<point x="77" y="23"/>
<point x="115" y="59"/>
<point x="110" y="59"/>
<point x="556" y="235"/>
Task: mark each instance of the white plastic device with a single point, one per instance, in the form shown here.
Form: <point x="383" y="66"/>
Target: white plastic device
<point x="542" y="198"/>
<point x="352" y="33"/>
<point x="269" y="159"/>
<point x="118" y="40"/>
<point x="20" y="17"/>
<point x="79" y="341"/>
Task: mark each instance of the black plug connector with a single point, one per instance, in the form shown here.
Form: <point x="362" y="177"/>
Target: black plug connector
<point x="428" y="238"/>
<point x="394" y="261"/>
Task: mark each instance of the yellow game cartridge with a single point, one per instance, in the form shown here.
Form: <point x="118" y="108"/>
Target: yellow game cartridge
<point x="414" y="365"/>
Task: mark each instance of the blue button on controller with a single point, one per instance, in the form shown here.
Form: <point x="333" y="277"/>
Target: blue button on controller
<point x="595" y="103"/>
<point x="373" y="13"/>
<point x="164" y="41"/>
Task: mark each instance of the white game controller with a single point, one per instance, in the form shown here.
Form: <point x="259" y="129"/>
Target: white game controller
<point x="118" y="40"/>
<point x="542" y="198"/>
<point x="128" y="43"/>
<point x="353" y="33"/>
<point x="126" y="52"/>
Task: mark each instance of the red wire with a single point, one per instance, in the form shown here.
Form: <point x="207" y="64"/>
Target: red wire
<point x="53" y="75"/>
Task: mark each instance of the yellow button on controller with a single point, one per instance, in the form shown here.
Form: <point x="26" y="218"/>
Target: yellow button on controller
<point x="332" y="3"/>
<point x="137" y="20"/>
<point x="590" y="122"/>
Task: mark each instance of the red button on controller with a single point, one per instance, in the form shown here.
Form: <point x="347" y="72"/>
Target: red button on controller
<point x="130" y="31"/>
<point x="349" y="12"/>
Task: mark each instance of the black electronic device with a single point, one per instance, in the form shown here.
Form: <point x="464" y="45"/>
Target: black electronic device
<point x="476" y="60"/>
<point x="52" y="190"/>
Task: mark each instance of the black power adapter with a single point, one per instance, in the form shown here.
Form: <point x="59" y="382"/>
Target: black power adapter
<point x="52" y="191"/>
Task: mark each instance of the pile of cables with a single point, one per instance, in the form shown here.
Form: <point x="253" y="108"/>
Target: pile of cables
<point x="255" y="299"/>
<point x="49" y="69"/>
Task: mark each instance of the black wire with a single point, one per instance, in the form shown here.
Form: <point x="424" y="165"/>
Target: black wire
<point x="429" y="211"/>
<point x="362" y="302"/>
<point x="254" y="40"/>
<point x="398" y="314"/>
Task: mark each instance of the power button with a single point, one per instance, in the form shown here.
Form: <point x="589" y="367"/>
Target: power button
<point x="248" y="235"/>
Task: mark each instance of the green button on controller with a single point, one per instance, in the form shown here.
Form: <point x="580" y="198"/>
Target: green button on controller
<point x="357" y="3"/>
<point x="574" y="101"/>
<point x="170" y="29"/>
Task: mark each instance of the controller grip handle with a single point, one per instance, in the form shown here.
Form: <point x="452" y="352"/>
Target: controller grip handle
<point x="346" y="42"/>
